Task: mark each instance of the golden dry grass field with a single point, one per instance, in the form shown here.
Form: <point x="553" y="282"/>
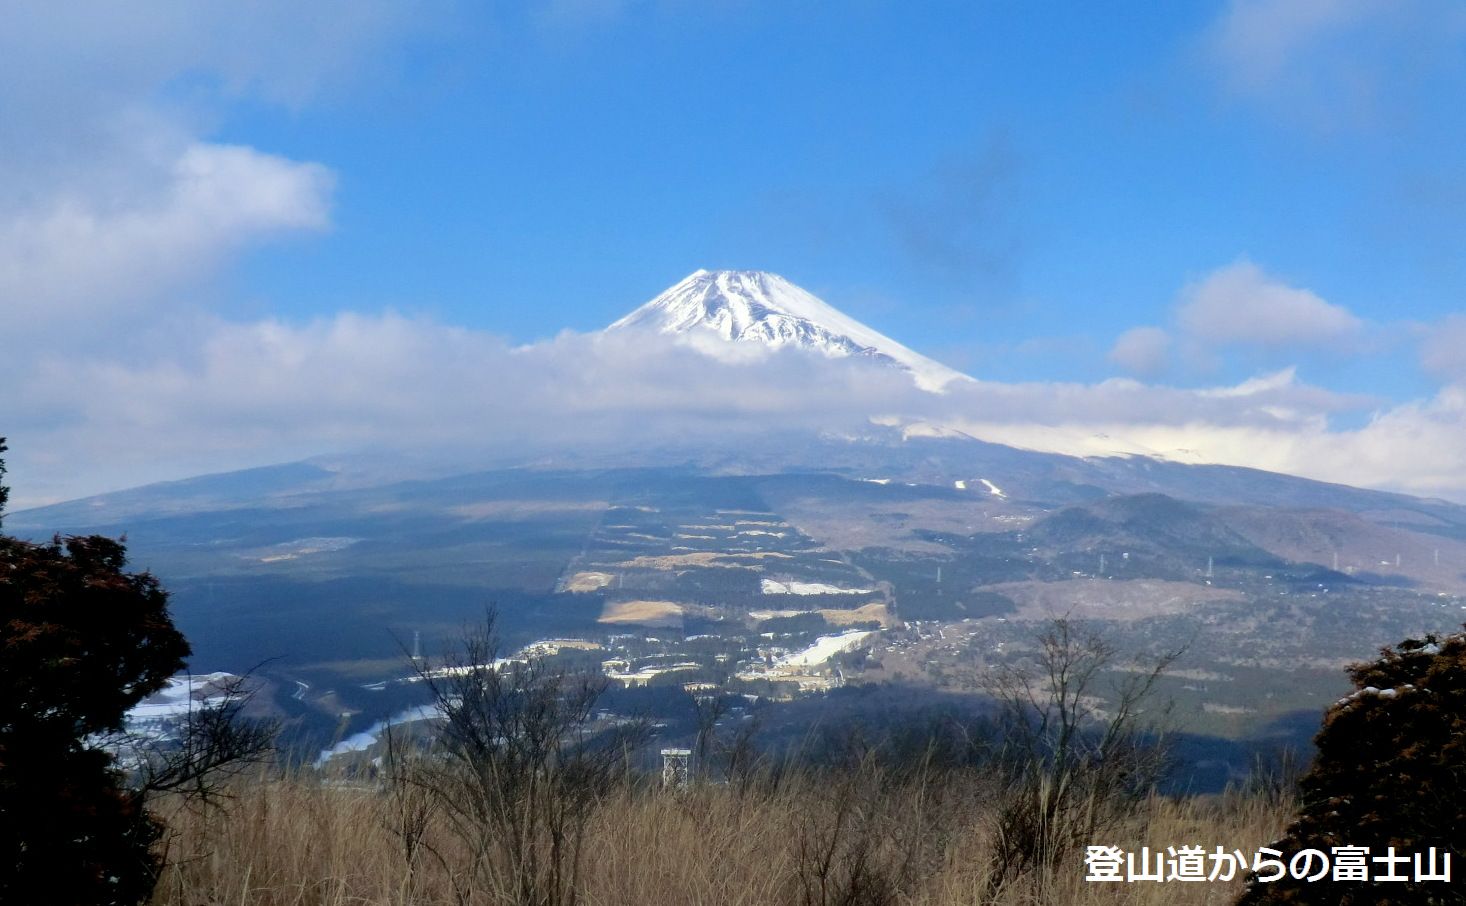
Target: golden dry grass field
<point x="298" y="842"/>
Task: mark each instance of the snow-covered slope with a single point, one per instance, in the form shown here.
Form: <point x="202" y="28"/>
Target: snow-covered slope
<point x="759" y="307"/>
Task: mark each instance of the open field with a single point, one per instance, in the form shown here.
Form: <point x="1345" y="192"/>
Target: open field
<point x="311" y="844"/>
<point x="320" y="593"/>
<point x="1109" y="599"/>
<point x="643" y="613"/>
<point x="878" y="613"/>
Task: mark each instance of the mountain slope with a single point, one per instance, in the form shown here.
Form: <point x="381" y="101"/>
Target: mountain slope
<point x="764" y="308"/>
<point x="1148" y="524"/>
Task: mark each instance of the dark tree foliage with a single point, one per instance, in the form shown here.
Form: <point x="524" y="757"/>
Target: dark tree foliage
<point x="4" y="491"/>
<point x="81" y="641"/>
<point x="1390" y="771"/>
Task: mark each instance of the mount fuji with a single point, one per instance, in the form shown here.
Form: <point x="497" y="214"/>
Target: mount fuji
<point x="735" y="307"/>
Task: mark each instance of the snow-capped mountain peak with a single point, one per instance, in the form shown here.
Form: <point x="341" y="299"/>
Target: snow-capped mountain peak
<point x="759" y="307"/>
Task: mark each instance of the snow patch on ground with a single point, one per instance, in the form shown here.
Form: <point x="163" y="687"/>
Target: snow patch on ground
<point x="182" y="695"/>
<point x="762" y="615"/>
<point x="1376" y="691"/>
<point x="646" y="674"/>
<point x="773" y="587"/>
<point x="824" y="648"/>
<point x="302" y="547"/>
<point x="360" y="742"/>
<point x="993" y="489"/>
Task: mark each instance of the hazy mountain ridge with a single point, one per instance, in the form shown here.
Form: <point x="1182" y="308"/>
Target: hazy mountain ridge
<point x="327" y="564"/>
<point x="727" y="312"/>
<point x="1146" y="522"/>
<point x="1043" y="479"/>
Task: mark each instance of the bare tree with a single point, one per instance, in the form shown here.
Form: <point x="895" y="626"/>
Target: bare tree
<point x="516" y="771"/>
<point x="739" y="752"/>
<point x="1076" y="758"/>
<point x="839" y="859"/>
<point x="708" y="708"/>
<point x="213" y="744"/>
<point x="411" y="807"/>
<point x="873" y="836"/>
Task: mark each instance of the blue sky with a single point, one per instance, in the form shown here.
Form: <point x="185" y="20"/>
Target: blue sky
<point x="1188" y="196"/>
<point x="969" y="178"/>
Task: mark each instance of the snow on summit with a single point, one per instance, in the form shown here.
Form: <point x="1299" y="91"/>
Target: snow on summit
<point x="764" y="308"/>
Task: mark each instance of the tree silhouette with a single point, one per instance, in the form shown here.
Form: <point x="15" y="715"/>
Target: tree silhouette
<point x="1390" y="771"/>
<point x="4" y="491"/>
<point x="1070" y="773"/>
<point x="81" y="641"/>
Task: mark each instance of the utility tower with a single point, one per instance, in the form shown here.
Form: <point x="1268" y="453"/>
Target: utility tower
<point x="676" y="768"/>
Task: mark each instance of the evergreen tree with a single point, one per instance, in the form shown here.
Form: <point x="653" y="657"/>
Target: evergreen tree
<point x="81" y="642"/>
<point x="1390" y="771"/>
<point x="4" y="491"/>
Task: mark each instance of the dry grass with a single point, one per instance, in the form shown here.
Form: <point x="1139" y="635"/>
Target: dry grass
<point x="866" y="613"/>
<point x="303" y="843"/>
<point x="642" y="613"/>
<point x="708" y="559"/>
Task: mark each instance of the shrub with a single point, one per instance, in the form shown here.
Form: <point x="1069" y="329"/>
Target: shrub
<point x="515" y="773"/>
<point x="1390" y="771"/>
<point x="81" y="641"/>
<point x="1071" y="772"/>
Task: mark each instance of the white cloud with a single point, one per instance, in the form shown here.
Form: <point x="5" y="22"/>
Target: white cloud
<point x="1443" y="350"/>
<point x="267" y="391"/>
<point x="1326" y="64"/>
<point x="112" y="197"/>
<point x="1144" y="351"/>
<point x="1275" y="401"/>
<point x="1252" y="387"/>
<point x="107" y="55"/>
<point x="270" y="391"/>
<point x="115" y="206"/>
<point x="1240" y="303"/>
<point x="80" y="259"/>
<point x="1417" y="447"/>
<point x="117" y="210"/>
<point x="1238" y="308"/>
<point x="1258" y="40"/>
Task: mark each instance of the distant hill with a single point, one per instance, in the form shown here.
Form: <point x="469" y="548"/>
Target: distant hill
<point x="1152" y="526"/>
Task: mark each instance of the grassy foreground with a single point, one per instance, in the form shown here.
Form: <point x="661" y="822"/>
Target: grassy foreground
<point x="807" y="839"/>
